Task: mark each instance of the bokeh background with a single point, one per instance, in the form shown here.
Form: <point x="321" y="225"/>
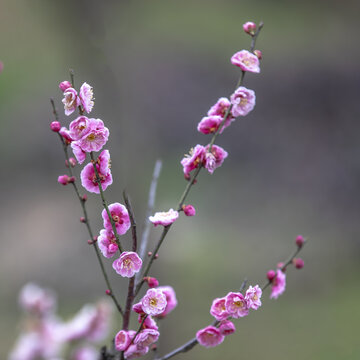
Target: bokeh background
<point x="156" y="68"/>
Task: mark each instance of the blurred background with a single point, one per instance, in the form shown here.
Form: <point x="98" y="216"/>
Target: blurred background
<point x="156" y="68"/>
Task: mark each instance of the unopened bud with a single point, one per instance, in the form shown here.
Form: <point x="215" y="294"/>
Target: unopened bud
<point x="90" y="242"/>
<point x="189" y="210"/>
<point x="71" y="161"/>
<point x="194" y="181"/>
<point x="63" y="179"/>
<point x="250" y="28"/>
<point x="152" y="282"/>
<point x="280" y="265"/>
<point x="72" y="179"/>
<point x="55" y="126"/>
<point x="108" y="292"/>
<point x="300" y="241"/>
<point x="84" y="198"/>
<point x="258" y="53"/>
<point x="83" y="220"/>
<point x="64" y="85"/>
<point x="156" y="256"/>
<point x="95" y="238"/>
<point x="187" y="177"/>
<point x="298" y="263"/>
<point x="271" y="275"/>
<point x="149" y="253"/>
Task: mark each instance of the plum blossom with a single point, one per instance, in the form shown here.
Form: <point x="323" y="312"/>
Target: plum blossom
<point x="278" y="284"/>
<point x="104" y="161"/>
<point x="249" y="27"/>
<point x="246" y="61"/>
<point x="128" y="264"/>
<point x="79" y="127"/>
<point x="119" y="215"/>
<point x="154" y="302"/>
<point x="146" y="337"/>
<point x="194" y="159"/>
<point x="253" y="296"/>
<point x="220" y="108"/>
<point x="149" y="322"/>
<point x="151" y="281"/>
<point x="96" y="137"/>
<point x="37" y="300"/>
<point x="210" y="124"/>
<point x="107" y="243"/>
<point x="89" y="180"/>
<point x="86" y="97"/>
<point x="209" y="336"/>
<point x="63" y="179"/>
<point x="164" y="218"/>
<point x="171" y="301"/>
<point x="71" y="100"/>
<point x="135" y="351"/>
<point x="236" y="305"/>
<point x="64" y="132"/>
<point x="123" y="339"/>
<point x="227" y="327"/>
<point x="78" y="152"/>
<point x="214" y="158"/>
<point x="218" y="309"/>
<point x="243" y="101"/>
<point x="138" y="308"/>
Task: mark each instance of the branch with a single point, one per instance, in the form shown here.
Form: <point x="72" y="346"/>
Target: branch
<point x="82" y="203"/>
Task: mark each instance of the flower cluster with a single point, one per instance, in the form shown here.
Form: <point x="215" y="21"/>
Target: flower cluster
<point x="49" y="336"/>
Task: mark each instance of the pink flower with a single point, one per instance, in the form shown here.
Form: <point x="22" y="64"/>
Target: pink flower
<point x="135" y="351"/>
<point x="164" y="218"/>
<point x="189" y="210"/>
<point x="37" y="300"/>
<point x="79" y="127"/>
<point x="78" y="152"/>
<point x="104" y="161"/>
<point x="210" y="124"/>
<point x="236" y="305"/>
<point x="120" y="217"/>
<point x="300" y="241"/>
<point x="220" y="108"/>
<point x="151" y="281"/>
<point x="138" y="308"/>
<point x="154" y="302"/>
<point x="128" y="264"/>
<point x="253" y="296"/>
<point x="71" y="100"/>
<point x="64" y="85"/>
<point x="123" y="339"/>
<point x="278" y="284"/>
<point x="243" y="101"/>
<point x="209" y="336"/>
<point x="215" y="158"/>
<point x="146" y="337"/>
<point x="192" y="161"/>
<point x="149" y="322"/>
<point x="246" y="61"/>
<point x="96" y="137"/>
<point x="227" y="327"/>
<point x="298" y="263"/>
<point x="64" y="132"/>
<point x="171" y="301"/>
<point x="218" y="309"/>
<point x="88" y="178"/>
<point x="86" y="97"/>
<point x="249" y="27"/>
<point x="107" y="243"/>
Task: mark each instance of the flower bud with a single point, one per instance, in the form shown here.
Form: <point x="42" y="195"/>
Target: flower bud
<point x="71" y="161"/>
<point x="149" y="253"/>
<point x="156" y="256"/>
<point x="84" y="198"/>
<point x="152" y="282"/>
<point x="189" y="210"/>
<point x="72" y="179"/>
<point x="63" y="179"/>
<point x="95" y="238"/>
<point x="55" y="126"/>
<point x="258" y="53"/>
<point x="300" y="241"/>
<point x="271" y="275"/>
<point x="108" y="292"/>
<point x="298" y="263"/>
<point x="90" y="242"/>
<point x="187" y="177"/>
<point x="64" y="85"/>
<point x="83" y="220"/>
<point x="280" y="266"/>
<point x="250" y="28"/>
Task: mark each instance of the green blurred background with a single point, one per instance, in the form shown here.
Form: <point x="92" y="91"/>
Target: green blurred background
<point x="156" y="68"/>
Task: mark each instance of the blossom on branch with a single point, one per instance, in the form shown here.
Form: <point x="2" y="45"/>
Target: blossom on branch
<point x="86" y="97"/>
<point x="218" y="309"/>
<point x="278" y="284"/>
<point x="236" y="305"/>
<point x="71" y="100"/>
<point x="253" y="296"/>
<point x="120" y="217"/>
<point x="154" y="302"/>
<point x="209" y="336"/>
<point x="164" y="218"/>
<point x="243" y="101"/>
<point x="128" y="264"/>
<point x="107" y="243"/>
<point x="214" y="158"/>
<point x="246" y="61"/>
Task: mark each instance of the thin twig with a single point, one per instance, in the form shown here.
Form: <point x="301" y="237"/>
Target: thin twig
<point x="149" y="211"/>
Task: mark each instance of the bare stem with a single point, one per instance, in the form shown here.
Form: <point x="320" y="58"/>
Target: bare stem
<point x="149" y="211"/>
<point x="105" y="203"/>
<point x="87" y="222"/>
